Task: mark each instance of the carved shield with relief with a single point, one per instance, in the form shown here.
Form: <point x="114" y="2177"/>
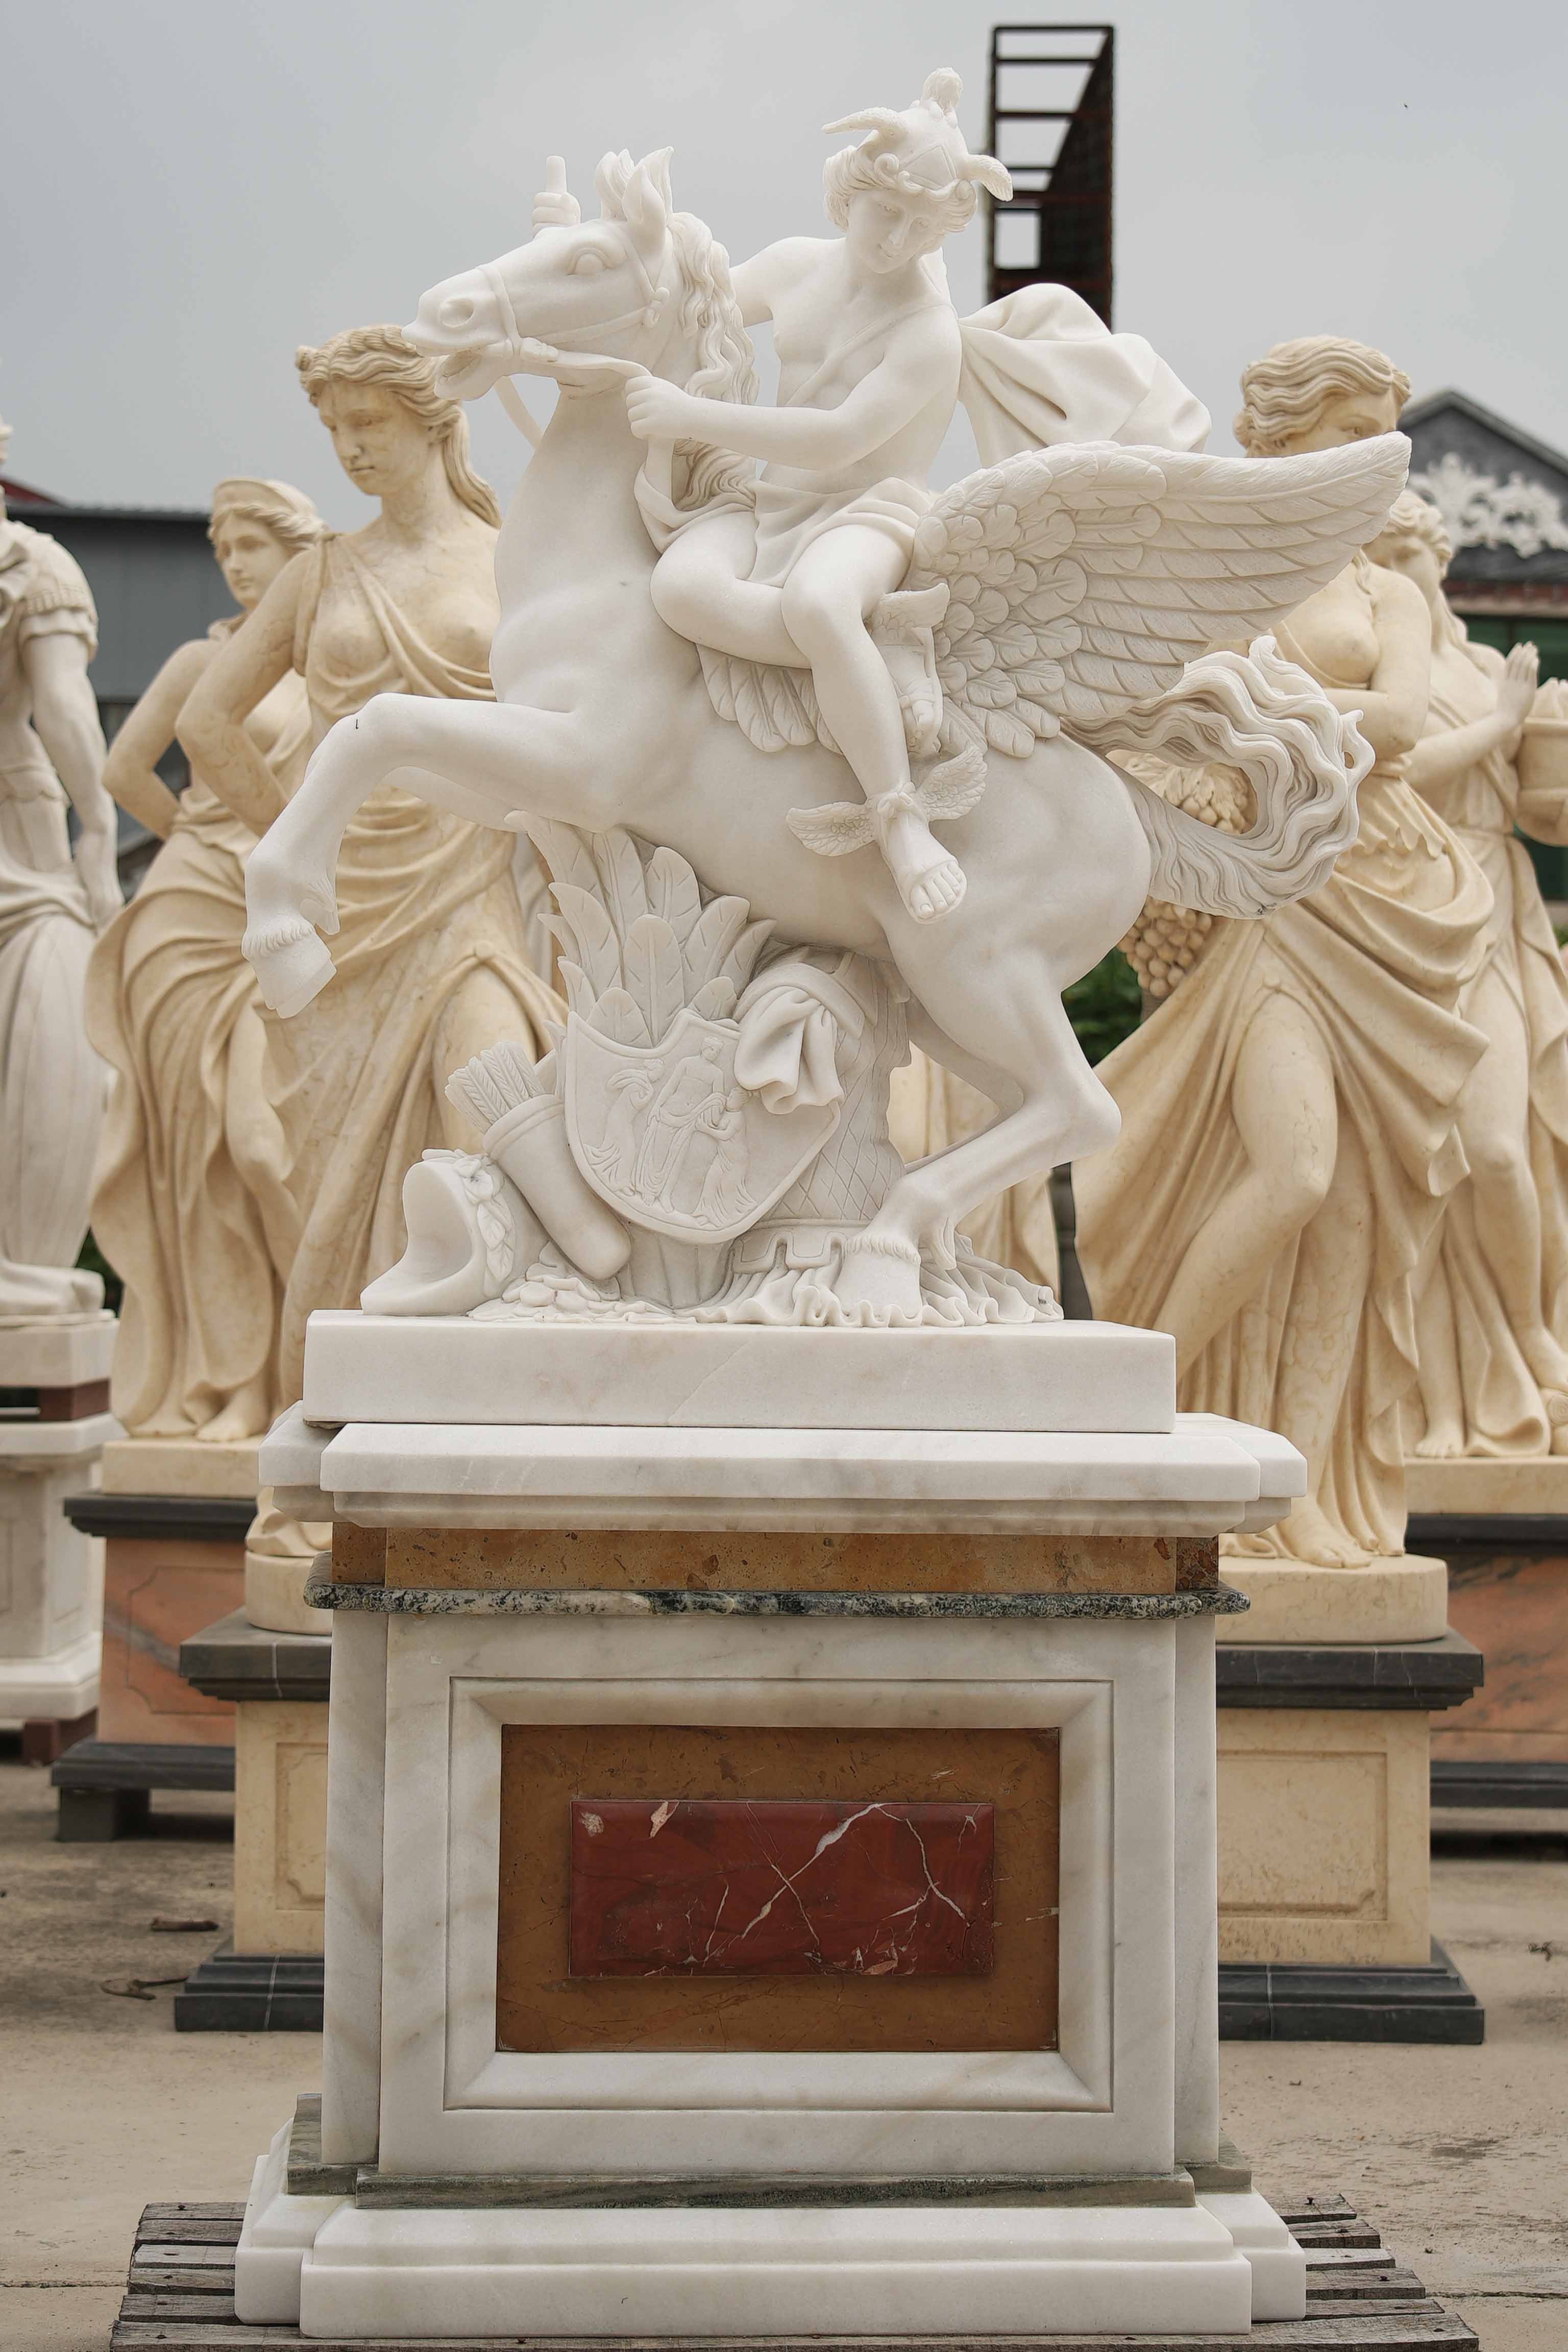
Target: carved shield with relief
<point x="668" y="1138"/>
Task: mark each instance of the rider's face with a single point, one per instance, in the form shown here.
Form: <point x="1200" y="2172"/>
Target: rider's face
<point x="885" y="231"/>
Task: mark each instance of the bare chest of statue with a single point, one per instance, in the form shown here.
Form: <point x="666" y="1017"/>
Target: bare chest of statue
<point x="1335" y="631"/>
<point x="443" y="592"/>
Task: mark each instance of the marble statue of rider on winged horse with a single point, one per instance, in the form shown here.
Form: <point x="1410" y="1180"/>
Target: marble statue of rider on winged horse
<point x="704" y="656"/>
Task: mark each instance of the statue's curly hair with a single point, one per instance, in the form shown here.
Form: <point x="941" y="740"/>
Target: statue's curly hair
<point x="1286" y="391"/>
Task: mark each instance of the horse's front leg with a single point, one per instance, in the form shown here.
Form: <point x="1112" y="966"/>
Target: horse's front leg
<point x="486" y="761"/>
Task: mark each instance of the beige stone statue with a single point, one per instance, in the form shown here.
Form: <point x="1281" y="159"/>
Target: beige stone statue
<point x="1290" y="1112"/>
<point x="1494" y="1375"/>
<point x="192" y="1203"/>
<point x="51" y="904"/>
<point x="430" y="944"/>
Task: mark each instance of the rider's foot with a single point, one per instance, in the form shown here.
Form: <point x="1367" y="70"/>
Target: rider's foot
<point x="901" y="628"/>
<point x="930" y="879"/>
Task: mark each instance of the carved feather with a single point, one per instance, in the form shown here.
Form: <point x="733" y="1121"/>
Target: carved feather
<point x="617" y="1015"/>
<point x="740" y="962"/>
<point x="672" y="893"/>
<point x="583" y="929"/>
<point x="1122" y="565"/>
<point x="654" y="974"/>
<point x="565" y="853"/>
<point x="714" y="935"/>
<point x="715" y="1000"/>
<point x="620" y="882"/>
<point x="834" y="829"/>
<point x="581" y="993"/>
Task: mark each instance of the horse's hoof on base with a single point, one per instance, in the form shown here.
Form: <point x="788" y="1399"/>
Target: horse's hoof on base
<point x="881" y="1276"/>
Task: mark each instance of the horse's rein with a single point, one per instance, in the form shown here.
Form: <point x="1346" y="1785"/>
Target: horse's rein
<point x="659" y="465"/>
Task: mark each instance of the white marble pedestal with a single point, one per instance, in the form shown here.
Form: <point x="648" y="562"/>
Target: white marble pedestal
<point x="51" y="1575"/>
<point x="512" y="2141"/>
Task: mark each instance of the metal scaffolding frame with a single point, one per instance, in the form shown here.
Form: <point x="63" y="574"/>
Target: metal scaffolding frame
<point x="1058" y="225"/>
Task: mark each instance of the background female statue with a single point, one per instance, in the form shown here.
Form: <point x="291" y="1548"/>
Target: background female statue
<point x="1288" y="1116"/>
<point x="51" y="1084"/>
<point x="431" y="944"/>
<point x="192" y="1203"/>
<point x="1494" y="1378"/>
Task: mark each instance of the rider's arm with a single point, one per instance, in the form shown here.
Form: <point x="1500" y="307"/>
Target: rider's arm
<point x="921" y="361"/>
<point x="1393" y="704"/>
<point x="211" y="726"/>
<point x="130" y="773"/>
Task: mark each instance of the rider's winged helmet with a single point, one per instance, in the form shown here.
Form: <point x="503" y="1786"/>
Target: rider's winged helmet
<point x="919" y="153"/>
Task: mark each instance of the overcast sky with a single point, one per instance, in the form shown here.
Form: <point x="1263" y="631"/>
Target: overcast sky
<point x="194" y="186"/>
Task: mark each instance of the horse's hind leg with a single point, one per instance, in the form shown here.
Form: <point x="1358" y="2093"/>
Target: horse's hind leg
<point x="1064" y="1114"/>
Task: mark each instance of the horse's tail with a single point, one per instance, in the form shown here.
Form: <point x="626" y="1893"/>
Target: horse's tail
<point x="1263" y="716"/>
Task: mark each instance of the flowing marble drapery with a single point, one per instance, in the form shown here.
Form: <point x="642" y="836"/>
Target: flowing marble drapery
<point x="425" y="901"/>
<point x="1377" y="960"/>
<point x="1503" y="1409"/>
<point x="191" y="1201"/>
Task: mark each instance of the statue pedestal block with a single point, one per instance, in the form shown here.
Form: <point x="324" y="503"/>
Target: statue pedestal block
<point x="268" y="1977"/>
<point x="173" y="1516"/>
<point x="737" y="1925"/>
<point x="51" y="1588"/>
<point x="1502" y="1527"/>
<point x="1325" y="1835"/>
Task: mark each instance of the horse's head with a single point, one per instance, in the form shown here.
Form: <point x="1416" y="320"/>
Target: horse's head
<point x="610" y="288"/>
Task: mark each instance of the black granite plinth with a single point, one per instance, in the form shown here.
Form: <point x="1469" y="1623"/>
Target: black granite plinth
<point x="258" y="1993"/>
<point x="1425" y="1676"/>
<point x="1275" y="2001"/>
<point x="1458" y="1780"/>
<point x="233" y="1659"/>
<point x="106" y="1785"/>
<point x="162" y="1518"/>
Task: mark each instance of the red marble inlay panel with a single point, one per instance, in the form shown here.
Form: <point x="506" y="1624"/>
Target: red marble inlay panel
<point x="785" y="1887"/>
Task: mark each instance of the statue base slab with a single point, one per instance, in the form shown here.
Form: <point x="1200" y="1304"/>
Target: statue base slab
<point x="51" y="1590"/>
<point x="1402" y="1600"/>
<point x="275" y="1599"/>
<point x="1066" y="1377"/>
<point x="1528" y="1484"/>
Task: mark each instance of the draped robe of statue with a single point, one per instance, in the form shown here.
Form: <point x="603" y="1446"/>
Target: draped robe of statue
<point x="46" y="940"/>
<point x="191" y="1202"/>
<point x="425" y="899"/>
<point x="1503" y="1409"/>
<point x="1378" y="960"/>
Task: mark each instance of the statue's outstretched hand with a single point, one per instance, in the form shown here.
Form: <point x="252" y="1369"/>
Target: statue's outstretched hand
<point x="554" y="206"/>
<point x="657" y="411"/>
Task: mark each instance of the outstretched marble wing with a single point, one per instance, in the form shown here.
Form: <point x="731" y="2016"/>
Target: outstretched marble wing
<point x="1085" y="579"/>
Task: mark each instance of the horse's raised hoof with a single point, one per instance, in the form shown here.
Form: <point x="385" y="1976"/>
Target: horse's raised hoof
<point x="290" y="964"/>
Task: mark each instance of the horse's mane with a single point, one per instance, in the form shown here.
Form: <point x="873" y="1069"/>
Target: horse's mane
<point x="709" y="314"/>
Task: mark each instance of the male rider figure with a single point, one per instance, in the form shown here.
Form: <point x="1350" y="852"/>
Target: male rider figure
<point x="870" y="355"/>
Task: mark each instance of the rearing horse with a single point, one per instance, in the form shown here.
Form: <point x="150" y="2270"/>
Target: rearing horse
<point x="603" y="719"/>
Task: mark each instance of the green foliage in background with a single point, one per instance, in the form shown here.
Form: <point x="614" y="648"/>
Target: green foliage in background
<point x="1104" y="1006"/>
<point x="92" y="1258"/>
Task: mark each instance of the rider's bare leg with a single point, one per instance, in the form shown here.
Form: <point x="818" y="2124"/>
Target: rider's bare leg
<point x="701" y="590"/>
<point x="828" y="598"/>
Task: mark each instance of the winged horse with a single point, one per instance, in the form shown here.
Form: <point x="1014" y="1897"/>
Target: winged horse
<point x="1086" y="584"/>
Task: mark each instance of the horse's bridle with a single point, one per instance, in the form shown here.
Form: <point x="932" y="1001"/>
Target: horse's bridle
<point x="571" y="338"/>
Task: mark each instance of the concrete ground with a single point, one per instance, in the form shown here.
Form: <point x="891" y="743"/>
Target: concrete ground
<point x="1460" y="2157"/>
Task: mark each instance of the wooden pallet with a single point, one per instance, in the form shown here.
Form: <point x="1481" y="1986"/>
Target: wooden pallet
<point x="180" y="2294"/>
